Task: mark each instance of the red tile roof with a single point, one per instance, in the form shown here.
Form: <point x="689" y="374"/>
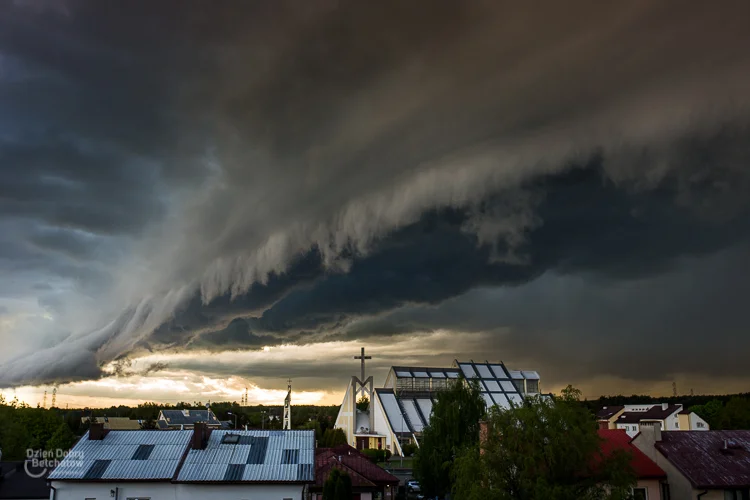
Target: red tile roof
<point x="701" y="457"/>
<point x="617" y="439"/>
<point x="363" y="472"/>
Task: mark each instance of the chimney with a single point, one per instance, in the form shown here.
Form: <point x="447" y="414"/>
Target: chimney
<point x="664" y="406"/>
<point x="96" y="432"/>
<point x="200" y="436"/>
<point x="603" y="424"/>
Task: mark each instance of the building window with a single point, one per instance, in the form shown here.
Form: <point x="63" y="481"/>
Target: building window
<point x="640" y="494"/>
<point x="676" y="425"/>
<point x="532" y="386"/>
<point x="700" y="425"/>
<point x="519" y="385"/>
<point x="405" y="384"/>
<point x="665" y="494"/>
<point x="737" y="494"/>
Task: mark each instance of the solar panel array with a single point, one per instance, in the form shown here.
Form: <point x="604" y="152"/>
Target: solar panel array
<point x="256" y="456"/>
<point x="496" y="382"/>
<point x="151" y="455"/>
<point x="405" y="414"/>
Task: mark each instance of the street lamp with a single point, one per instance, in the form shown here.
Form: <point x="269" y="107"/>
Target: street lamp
<point x="262" y="419"/>
<point x="235" y="418"/>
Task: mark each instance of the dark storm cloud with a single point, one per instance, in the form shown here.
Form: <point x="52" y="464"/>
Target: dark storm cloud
<point x="298" y="167"/>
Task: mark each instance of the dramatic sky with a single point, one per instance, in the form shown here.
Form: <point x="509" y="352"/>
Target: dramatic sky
<point x="198" y="197"/>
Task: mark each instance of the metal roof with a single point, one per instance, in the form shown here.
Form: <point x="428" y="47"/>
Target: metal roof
<point x="258" y="456"/>
<point x="125" y="455"/>
<point x="709" y="459"/>
<point x="188" y="417"/>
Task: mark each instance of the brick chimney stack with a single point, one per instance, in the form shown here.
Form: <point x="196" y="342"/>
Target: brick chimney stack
<point x="603" y="424"/>
<point x="96" y="432"/>
<point x="200" y="436"/>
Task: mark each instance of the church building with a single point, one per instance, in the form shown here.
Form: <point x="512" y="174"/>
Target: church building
<point x="399" y="411"/>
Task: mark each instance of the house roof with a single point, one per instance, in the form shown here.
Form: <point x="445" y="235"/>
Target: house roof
<point x="654" y="413"/>
<point x="189" y="417"/>
<point x="702" y="458"/>
<point x="241" y="456"/>
<point x="17" y="484"/>
<point x="618" y="439"/>
<point x="607" y="412"/>
<point x="363" y="472"/>
<point x="125" y="455"/>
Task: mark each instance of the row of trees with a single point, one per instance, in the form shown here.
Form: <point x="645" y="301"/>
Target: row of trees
<point x="541" y="449"/>
<point x="25" y="427"/>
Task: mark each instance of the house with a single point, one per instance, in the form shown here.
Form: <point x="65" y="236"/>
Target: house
<point x="399" y="411"/>
<point x="276" y="465"/>
<point x="709" y="465"/>
<point x="369" y="481"/>
<point x="120" y="464"/>
<point x="186" y="419"/>
<point x="201" y="463"/>
<point x="651" y="479"/>
<point x="23" y="480"/>
<point x="671" y="417"/>
<point x="115" y="423"/>
<point x="607" y="416"/>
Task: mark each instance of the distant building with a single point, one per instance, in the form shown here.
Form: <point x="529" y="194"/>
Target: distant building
<point x="186" y="419"/>
<point x="369" y="481"/>
<point x="671" y="417"/>
<point x="115" y="423"/>
<point x="197" y="464"/>
<point x="713" y="465"/>
<point x="399" y="411"/>
<point x="650" y="478"/>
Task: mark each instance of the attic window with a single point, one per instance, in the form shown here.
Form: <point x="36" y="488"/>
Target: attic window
<point x="230" y="439"/>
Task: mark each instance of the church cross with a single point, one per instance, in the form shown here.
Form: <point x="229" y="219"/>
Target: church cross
<point x="363" y="358"/>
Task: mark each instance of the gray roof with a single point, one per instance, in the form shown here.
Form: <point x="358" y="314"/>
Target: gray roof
<point x="253" y="456"/>
<point x="189" y="417"/>
<point x="125" y="455"/>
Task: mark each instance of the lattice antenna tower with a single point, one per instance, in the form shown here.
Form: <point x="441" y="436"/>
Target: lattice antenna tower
<point x="44" y="399"/>
<point x="54" y="397"/>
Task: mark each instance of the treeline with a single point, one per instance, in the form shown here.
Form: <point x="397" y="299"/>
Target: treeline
<point x="722" y="412"/>
<point x="25" y="427"/>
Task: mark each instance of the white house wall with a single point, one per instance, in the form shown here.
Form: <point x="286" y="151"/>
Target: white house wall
<point x="78" y="491"/>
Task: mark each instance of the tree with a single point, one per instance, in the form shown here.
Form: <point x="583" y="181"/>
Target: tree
<point x="338" y="486"/>
<point x="735" y="414"/>
<point x="710" y="412"/>
<point x="148" y="424"/>
<point x="453" y="426"/>
<point x="542" y="449"/>
<point x="333" y="437"/>
<point x="363" y="403"/>
<point x="62" y="439"/>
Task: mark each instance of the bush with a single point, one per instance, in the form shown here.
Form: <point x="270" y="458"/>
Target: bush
<point x="376" y="455"/>
<point x="409" y="449"/>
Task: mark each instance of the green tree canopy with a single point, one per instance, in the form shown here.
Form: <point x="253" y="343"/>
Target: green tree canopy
<point x="338" y="486"/>
<point x="363" y="403"/>
<point x="62" y="439"/>
<point x="454" y="425"/>
<point x="542" y="449"/>
<point x="332" y="438"/>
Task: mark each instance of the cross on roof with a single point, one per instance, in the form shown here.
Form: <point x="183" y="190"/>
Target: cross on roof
<point x="363" y="358"/>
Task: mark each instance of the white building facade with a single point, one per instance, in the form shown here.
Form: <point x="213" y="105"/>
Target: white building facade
<point x="400" y="410"/>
